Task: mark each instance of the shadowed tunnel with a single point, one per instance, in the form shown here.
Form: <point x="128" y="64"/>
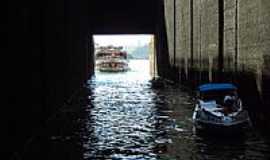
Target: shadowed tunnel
<point x="51" y="51"/>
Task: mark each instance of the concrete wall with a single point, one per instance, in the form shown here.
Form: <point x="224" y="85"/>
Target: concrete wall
<point x="49" y="59"/>
<point x="152" y="58"/>
<point x="196" y="35"/>
<point x="222" y="40"/>
<point x="121" y="16"/>
<point x="163" y="56"/>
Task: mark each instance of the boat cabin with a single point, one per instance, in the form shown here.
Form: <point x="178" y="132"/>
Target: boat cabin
<point x="218" y="92"/>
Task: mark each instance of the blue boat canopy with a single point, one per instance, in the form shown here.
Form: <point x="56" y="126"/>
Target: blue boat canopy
<point x="216" y="87"/>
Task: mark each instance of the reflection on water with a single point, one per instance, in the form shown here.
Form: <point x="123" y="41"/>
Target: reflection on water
<point x="127" y="119"/>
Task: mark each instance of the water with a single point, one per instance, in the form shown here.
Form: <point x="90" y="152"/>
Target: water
<point x="128" y="120"/>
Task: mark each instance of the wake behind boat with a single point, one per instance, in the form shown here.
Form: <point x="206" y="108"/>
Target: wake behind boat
<point x="218" y="108"/>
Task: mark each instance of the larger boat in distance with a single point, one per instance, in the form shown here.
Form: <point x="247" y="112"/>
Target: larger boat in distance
<point x="111" y="59"/>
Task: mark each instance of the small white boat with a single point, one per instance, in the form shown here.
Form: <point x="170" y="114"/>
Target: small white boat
<point x="218" y="108"/>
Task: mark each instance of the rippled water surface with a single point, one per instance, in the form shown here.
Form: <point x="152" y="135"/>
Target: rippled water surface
<point x="129" y="120"/>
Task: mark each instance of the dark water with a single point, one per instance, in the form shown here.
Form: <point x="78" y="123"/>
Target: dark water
<point x="128" y="120"/>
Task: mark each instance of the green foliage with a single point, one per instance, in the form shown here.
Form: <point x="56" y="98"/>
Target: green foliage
<point x="141" y="52"/>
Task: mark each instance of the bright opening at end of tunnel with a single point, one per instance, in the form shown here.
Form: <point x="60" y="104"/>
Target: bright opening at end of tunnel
<point x="124" y="56"/>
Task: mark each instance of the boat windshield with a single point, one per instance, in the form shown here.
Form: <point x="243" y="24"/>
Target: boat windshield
<point x="218" y="96"/>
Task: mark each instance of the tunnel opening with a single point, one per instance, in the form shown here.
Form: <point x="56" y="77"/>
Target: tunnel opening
<point x="132" y="55"/>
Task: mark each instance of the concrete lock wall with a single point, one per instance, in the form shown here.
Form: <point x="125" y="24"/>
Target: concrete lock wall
<point x="222" y="40"/>
<point x="49" y="60"/>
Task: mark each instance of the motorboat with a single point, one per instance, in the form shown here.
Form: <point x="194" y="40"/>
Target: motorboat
<point x="111" y="59"/>
<point x="218" y="107"/>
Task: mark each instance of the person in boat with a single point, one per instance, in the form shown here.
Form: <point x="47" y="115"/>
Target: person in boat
<point x="230" y="104"/>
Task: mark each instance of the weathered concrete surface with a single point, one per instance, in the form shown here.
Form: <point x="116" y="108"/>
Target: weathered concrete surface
<point x="122" y="16"/>
<point x="230" y="35"/>
<point x="152" y="58"/>
<point x="222" y="40"/>
<point x="203" y="32"/>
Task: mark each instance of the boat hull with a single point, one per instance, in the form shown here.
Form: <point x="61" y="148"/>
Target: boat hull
<point x="224" y="129"/>
<point x="237" y="126"/>
<point x="112" y="65"/>
<point x="112" y="69"/>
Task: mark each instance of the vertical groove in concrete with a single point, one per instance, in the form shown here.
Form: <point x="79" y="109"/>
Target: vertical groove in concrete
<point x="161" y="43"/>
<point x="191" y="32"/>
<point x="200" y="34"/>
<point x="221" y="35"/>
<point x="174" y="32"/>
<point x="236" y="36"/>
